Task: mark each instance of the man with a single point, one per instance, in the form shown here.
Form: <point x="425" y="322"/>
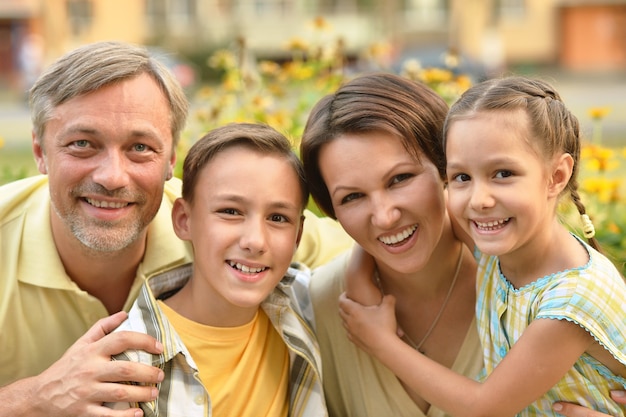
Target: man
<point x="77" y="243"/>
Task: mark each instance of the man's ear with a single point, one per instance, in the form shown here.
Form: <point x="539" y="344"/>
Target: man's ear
<point x="38" y="153"/>
<point x="181" y="219"/>
<point x="172" y="166"/>
<point x="562" y="169"/>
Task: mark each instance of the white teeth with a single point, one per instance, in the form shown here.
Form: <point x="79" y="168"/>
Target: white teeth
<point x="398" y="237"/>
<point x="105" y="204"/>
<point x="246" y="269"/>
<point x="492" y="224"/>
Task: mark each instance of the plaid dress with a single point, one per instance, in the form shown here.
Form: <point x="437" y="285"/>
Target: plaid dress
<point x="593" y="296"/>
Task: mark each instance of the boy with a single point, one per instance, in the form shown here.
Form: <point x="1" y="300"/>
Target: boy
<point x="236" y="325"/>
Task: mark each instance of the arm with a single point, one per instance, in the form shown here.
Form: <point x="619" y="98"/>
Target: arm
<point x="574" y="410"/>
<point x="85" y="377"/>
<point x="359" y="284"/>
<point x="544" y="353"/>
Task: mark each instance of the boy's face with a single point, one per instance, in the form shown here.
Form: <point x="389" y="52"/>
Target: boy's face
<point x="245" y="223"/>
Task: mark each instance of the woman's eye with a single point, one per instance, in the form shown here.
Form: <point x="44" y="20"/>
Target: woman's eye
<point x="401" y="177"/>
<point x="350" y="197"/>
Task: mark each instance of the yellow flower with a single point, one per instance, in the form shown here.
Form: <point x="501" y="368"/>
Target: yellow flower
<point x="297" y="44"/>
<point x="598" y="113"/>
<point x="222" y="59"/>
<point x="270" y="68"/>
<point x="321" y="24"/>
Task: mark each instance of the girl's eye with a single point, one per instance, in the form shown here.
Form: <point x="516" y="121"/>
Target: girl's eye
<point x="503" y="173"/>
<point x="350" y="197"/>
<point x="401" y="177"/>
<point x="460" y="178"/>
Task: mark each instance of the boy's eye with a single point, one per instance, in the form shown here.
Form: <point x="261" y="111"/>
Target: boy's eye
<point x="279" y="218"/>
<point x="230" y="211"/>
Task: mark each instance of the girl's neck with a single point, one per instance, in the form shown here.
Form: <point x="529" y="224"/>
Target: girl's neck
<point x="544" y="255"/>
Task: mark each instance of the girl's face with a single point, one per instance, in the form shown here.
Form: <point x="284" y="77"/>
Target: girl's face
<point x="499" y="190"/>
<point x="391" y="204"/>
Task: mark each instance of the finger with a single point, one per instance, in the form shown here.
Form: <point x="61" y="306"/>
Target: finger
<point x="125" y="393"/>
<point x="619" y="396"/>
<point x="575" y="410"/>
<point x="127" y="371"/>
<point x="103" y="327"/>
<point x="119" y="342"/>
<point x="101" y="410"/>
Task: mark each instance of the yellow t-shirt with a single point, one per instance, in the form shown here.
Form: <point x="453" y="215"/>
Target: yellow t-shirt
<point x="245" y="369"/>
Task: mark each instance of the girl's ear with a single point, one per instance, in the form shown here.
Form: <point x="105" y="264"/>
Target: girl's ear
<point x="181" y="219"/>
<point x="561" y="173"/>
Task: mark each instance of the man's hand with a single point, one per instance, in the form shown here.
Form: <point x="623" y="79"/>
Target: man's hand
<point x="85" y="377"/>
<point x="575" y="410"/>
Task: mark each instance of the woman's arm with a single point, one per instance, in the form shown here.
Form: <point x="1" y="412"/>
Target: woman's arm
<point x="545" y="352"/>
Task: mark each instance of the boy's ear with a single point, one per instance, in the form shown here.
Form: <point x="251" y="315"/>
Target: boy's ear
<point x="181" y="219"/>
<point x="300" y="230"/>
<point x="561" y="173"/>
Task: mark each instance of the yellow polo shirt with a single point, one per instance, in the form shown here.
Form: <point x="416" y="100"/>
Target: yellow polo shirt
<point x="42" y="311"/>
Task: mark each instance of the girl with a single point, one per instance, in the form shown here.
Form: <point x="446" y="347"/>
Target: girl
<point x="550" y="307"/>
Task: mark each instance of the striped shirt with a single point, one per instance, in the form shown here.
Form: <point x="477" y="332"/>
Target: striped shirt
<point x="593" y="296"/>
<point x="181" y="393"/>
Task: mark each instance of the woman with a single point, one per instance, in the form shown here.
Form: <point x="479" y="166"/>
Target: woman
<point x="374" y="161"/>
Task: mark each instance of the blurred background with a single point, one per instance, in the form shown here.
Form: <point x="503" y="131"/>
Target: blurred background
<point x="271" y="60"/>
<point x="580" y="45"/>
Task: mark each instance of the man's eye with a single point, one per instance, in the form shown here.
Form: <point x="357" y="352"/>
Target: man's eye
<point x="81" y="143"/>
<point x="140" y="147"/>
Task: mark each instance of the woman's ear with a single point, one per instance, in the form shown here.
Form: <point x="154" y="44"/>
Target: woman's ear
<point x="181" y="219"/>
<point x="562" y="169"/>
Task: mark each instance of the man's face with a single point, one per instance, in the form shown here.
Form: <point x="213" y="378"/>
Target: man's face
<point x="107" y="155"/>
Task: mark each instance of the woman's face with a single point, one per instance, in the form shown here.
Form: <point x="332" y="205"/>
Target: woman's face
<point x="390" y="203"/>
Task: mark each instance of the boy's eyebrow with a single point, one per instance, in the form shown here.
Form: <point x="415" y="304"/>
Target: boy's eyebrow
<point x="237" y="198"/>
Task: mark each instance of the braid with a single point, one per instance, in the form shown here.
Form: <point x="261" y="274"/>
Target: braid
<point x="556" y="129"/>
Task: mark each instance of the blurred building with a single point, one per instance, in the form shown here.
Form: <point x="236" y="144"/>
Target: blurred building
<point x="576" y="35"/>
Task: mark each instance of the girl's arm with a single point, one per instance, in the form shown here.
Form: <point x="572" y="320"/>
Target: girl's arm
<point x="359" y="284"/>
<point x="545" y="352"/>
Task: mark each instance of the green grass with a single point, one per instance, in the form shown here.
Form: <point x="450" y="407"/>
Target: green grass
<point x="15" y="163"/>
